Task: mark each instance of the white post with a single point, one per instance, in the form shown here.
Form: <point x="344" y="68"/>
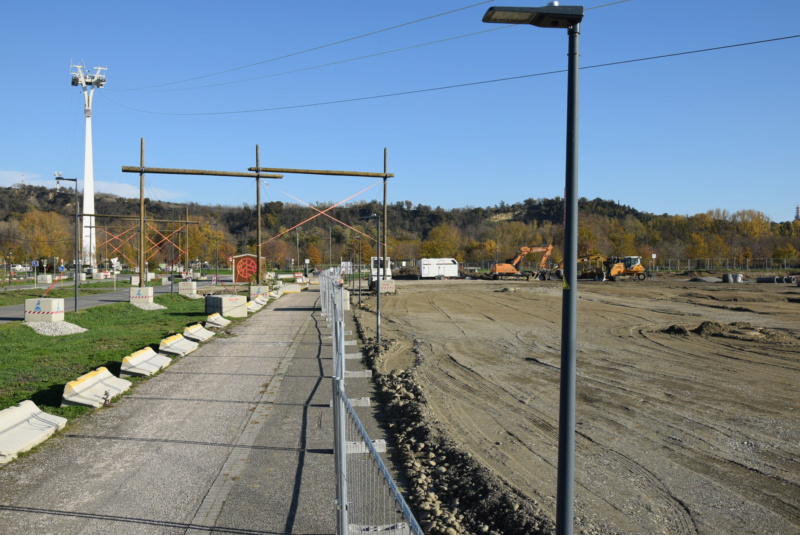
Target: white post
<point x="88" y="82"/>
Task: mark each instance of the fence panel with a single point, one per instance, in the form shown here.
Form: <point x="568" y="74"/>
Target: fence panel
<point x="368" y="500"/>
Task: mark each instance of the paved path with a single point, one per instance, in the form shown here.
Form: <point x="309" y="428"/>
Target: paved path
<point x="235" y="438"/>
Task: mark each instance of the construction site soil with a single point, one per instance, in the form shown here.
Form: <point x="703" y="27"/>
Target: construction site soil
<point x="688" y="395"/>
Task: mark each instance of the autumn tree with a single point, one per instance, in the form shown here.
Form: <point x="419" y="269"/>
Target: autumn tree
<point x="45" y="235"/>
<point x="444" y="241"/>
<point x="314" y="255"/>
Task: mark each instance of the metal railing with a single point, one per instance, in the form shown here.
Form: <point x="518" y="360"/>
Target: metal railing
<point x="367" y="498"/>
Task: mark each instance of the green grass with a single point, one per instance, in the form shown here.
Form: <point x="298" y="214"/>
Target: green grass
<point x="18" y="297"/>
<point x="36" y="367"/>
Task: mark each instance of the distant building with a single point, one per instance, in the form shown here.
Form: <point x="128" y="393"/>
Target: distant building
<point x="797" y="213"/>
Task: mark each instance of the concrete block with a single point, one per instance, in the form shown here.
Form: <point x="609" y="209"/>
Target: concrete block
<point x="187" y="288"/>
<point x="177" y="345"/>
<point x="134" y="280"/>
<point x="197" y="333"/>
<point x="23" y="427"/>
<point x="355" y="402"/>
<point x="252" y="306"/>
<point x="44" y="279"/>
<point x="144" y="362"/>
<point x="217" y="321"/>
<point x="353" y="356"/>
<point x="292" y="288"/>
<point x="358" y="374"/>
<point x="361" y="446"/>
<point x="44" y="310"/>
<point x="141" y="295"/>
<point x="93" y="388"/>
<point x="387" y="287"/>
<point x="257" y="290"/>
<point x="165" y="281"/>
<point x="231" y="306"/>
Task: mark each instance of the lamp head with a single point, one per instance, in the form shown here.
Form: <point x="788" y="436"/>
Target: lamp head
<point x="552" y="16"/>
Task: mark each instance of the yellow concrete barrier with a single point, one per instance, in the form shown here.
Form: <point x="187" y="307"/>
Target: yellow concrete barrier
<point x="93" y="389"/>
<point x="144" y="362"/>
<point x="23" y="427"/>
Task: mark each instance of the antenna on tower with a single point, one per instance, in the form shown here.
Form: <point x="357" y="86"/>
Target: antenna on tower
<point x="82" y="77"/>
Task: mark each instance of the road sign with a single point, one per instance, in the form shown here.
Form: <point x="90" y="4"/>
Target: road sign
<point x="61" y="268"/>
<point x="34" y="263"/>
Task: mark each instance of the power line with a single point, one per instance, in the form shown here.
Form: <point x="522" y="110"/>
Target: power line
<point x="455" y="86"/>
<point x="320" y="47"/>
<point x="339" y="62"/>
<point x="386" y="52"/>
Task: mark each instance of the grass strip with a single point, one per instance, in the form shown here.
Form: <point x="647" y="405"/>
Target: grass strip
<point x="36" y="367"/>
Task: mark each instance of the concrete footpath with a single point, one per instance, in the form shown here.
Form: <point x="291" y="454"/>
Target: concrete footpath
<point x="233" y="438"/>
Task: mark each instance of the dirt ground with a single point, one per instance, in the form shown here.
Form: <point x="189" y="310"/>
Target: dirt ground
<point x="688" y="396"/>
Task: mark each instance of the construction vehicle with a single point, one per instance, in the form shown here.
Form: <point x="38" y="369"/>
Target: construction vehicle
<point x="625" y="266"/>
<point x="508" y="269"/>
<point x="592" y="267"/>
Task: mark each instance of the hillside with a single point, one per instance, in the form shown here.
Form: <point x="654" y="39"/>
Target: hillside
<point x="472" y="234"/>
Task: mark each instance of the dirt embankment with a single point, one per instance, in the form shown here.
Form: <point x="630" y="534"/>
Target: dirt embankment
<point x="686" y="410"/>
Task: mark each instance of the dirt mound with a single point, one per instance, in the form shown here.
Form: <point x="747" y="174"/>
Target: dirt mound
<point x="711" y="328"/>
<point x="676" y="329"/>
<point x="450" y="491"/>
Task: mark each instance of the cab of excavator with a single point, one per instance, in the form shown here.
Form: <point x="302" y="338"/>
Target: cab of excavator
<point x="631" y="261"/>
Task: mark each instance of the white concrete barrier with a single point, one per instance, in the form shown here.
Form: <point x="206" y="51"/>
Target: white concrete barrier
<point x="261" y="299"/>
<point x="23" y="427"/>
<point x="93" y="389"/>
<point x="144" y="362"/>
<point x="354" y="356"/>
<point x="46" y="279"/>
<point x="177" y="345"/>
<point x="217" y="321"/>
<point x="187" y="288"/>
<point x="252" y="306"/>
<point x="197" y="333"/>
<point x="44" y="310"/>
<point x="255" y="291"/>
<point x="292" y="288"/>
<point x="357" y="374"/>
<point x="231" y="306"/>
<point x="361" y="446"/>
<point x="141" y="295"/>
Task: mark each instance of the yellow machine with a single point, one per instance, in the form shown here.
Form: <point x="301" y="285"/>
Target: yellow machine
<point x="625" y="266"/>
<point x="509" y="269"/>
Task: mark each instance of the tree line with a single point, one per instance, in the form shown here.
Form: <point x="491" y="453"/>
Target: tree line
<point x="37" y="222"/>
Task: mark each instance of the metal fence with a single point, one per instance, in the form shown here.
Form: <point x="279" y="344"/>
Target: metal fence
<point x="686" y="264"/>
<point x="367" y="498"/>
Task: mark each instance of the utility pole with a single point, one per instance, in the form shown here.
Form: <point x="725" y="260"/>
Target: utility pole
<point x="88" y="82"/>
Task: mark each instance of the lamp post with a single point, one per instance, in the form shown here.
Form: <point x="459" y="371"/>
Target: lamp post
<point x="569" y="17"/>
<point x="59" y="178"/>
<point x="377" y="283"/>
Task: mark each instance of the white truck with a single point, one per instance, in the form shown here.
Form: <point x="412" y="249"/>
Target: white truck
<point x="374" y="264"/>
<point x="438" y="268"/>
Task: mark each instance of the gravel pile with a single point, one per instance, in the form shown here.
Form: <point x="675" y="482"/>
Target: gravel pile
<point x="56" y="328"/>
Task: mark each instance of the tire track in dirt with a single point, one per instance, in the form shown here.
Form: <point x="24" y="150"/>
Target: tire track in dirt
<point x="671" y="429"/>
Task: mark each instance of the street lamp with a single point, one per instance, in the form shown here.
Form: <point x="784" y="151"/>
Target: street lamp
<point x="59" y="178"/>
<point x="377" y="282"/>
<point x="569" y="17"/>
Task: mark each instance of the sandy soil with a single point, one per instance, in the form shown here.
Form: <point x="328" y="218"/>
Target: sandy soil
<point x="687" y="405"/>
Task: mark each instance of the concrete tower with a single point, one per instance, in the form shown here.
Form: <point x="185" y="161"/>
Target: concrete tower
<point x="88" y="82"/>
<point x="797" y="213"/>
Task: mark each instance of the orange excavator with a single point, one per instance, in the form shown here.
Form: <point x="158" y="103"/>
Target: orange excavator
<point x="508" y="269"/>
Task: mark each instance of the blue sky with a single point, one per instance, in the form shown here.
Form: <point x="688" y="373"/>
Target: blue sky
<point x="679" y="135"/>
